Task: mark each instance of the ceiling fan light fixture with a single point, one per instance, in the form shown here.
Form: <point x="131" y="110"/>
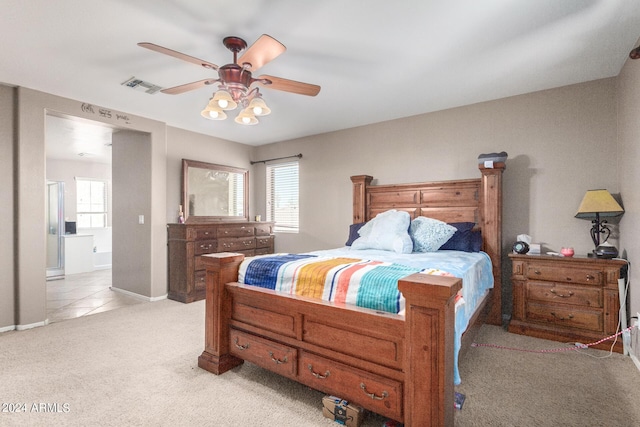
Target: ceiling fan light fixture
<point x="259" y="107"/>
<point x="224" y="100"/>
<point x="246" y="117"/>
<point x="213" y="114"/>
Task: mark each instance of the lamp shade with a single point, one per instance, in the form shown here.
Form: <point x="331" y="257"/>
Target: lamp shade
<point x="224" y="100"/>
<point x="598" y="202"/>
<point x="259" y="107"/>
<point x="212" y="114"/>
<point x="246" y="117"/>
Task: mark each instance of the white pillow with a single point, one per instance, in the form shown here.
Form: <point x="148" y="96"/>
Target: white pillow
<point x="388" y="231"/>
<point x="429" y="234"/>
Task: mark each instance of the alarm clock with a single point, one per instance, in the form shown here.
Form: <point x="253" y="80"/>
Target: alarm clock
<point x="521" y="247"/>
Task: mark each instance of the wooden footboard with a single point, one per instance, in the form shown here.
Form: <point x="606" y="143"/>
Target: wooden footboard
<point x="399" y="367"/>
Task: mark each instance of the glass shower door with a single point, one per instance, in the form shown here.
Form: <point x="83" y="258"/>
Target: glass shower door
<point x="55" y="230"/>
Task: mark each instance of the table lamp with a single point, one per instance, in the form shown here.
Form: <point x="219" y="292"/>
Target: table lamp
<point x="595" y="205"/>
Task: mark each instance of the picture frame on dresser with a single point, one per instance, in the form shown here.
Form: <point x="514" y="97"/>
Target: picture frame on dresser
<point x="566" y="299"/>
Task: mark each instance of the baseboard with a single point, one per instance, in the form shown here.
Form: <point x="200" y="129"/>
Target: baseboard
<point x="7" y="328"/>
<point x="32" y="325"/>
<point x="636" y="361"/>
<point x="138" y="296"/>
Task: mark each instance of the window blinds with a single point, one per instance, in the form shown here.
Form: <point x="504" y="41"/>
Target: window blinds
<point x="283" y="196"/>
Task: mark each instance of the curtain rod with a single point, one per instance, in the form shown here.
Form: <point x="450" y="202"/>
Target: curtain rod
<point x="279" y="158"/>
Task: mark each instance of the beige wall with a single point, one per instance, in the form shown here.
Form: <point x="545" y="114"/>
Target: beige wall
<point x="628" y="169"/>
<point x="561" y="142"/>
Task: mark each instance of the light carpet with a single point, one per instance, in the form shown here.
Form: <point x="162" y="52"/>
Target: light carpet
<point x="137" y="366"/>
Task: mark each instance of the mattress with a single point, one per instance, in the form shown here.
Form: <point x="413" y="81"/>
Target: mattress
<point x="368" y="278"/>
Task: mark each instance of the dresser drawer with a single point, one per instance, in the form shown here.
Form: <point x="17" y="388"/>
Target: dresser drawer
<point x="263" y="229"/>
<point x="565" y="316"/>
<point x="269" y="354"/>
<point x="200" y="280"/>
<point x="205" y="247"/>
<point x="583" y="276"/>
<point x="238" y="231"/>
<point x="231" y="245"/>
<point x="379" y="394"/>
<point x="264" y="242"/>
<point x="262" y="251"/>
<point x="564" y="294"/>
<point x="205" y="233"/>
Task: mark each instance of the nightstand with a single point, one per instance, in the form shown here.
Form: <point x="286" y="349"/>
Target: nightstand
<point x="568" y="299"/>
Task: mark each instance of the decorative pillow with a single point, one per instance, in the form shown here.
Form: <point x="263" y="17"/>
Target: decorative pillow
<point x="429" y="234"/>
<point x="353" y="232"/>
<point x="388" y="232"/>
<point x="476" y="241"/>
<point x="462" y="239"/>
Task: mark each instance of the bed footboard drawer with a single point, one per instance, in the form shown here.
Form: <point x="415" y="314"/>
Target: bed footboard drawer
<point x="271" y="355"/>
<point x="376" y="393"/>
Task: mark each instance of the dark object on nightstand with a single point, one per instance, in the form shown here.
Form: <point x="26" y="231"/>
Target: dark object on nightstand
<point x="520" y="247"/>
<point x="606" y="251"/>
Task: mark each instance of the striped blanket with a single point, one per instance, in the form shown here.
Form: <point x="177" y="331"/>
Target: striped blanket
<point x="364" y="283"/>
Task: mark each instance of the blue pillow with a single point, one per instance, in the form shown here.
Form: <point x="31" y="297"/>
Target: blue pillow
<point x="464" y="239"/>
<point x="353" y="232"/>
<point x="429" y="234"/>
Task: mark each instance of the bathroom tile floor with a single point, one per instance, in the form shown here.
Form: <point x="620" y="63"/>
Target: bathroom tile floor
<point x="83" y="294"/>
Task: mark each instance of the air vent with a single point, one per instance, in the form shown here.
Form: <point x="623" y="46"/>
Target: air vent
<point x="141" y="85"/>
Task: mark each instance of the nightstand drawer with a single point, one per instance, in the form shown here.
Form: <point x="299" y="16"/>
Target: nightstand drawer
<point x="555" y="273"/>
<point x="565" y="316"/>
<point x="564" y="294"/>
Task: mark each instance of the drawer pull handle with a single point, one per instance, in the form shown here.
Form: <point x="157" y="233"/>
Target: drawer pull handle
<point x="373" y="395"/>
<point x="240" y="346"/>
<point x="553" y="291"/>
<point x="590" y="277"/>
<point x="277" y="361"/>
<point x="205" y="246"/>
<point x="537" y="272"/>
<point x="317" y="375"/>
<point x="562" y="318"/>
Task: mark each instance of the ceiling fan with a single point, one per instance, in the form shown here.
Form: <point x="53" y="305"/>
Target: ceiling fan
<point x="235" y="80"/>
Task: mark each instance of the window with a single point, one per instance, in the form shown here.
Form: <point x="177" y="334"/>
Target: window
<point x="282" y="196"/>
<point x="91" y="203"/>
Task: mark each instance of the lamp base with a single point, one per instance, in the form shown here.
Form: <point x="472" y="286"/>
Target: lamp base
<point x="604" y="251"/>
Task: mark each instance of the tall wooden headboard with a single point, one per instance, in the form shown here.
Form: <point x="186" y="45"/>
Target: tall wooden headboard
<point x="468" y="200"/>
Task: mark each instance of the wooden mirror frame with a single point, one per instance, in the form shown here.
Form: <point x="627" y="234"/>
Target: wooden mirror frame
<point x="189" y="217"/>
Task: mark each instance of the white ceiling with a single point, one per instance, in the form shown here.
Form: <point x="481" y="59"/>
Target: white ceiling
<point x="376" y="60"/>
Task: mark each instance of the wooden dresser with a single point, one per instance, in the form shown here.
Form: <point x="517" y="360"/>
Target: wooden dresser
<point x="187" y="242"/>
<point x="566" y="299"/>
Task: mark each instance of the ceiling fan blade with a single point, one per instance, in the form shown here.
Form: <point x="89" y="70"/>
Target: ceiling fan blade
<point x="264" y="50"/>
<point x="178" y="55"/>
<point x="293" y="86"/>
<point x="189" y="86"/>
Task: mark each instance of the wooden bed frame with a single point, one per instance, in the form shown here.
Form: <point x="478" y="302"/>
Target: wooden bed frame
<point x="399" y="367"/>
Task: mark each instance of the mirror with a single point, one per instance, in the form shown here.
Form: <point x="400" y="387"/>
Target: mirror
<point x="213" y="192"/>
